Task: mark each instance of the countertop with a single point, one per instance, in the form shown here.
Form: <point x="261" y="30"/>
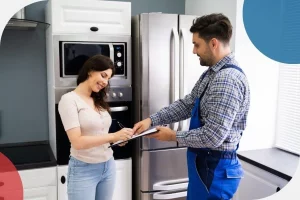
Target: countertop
<point x="39" y="154"/>
<point x="273" y="160"/>
<point x="29" y="155"/>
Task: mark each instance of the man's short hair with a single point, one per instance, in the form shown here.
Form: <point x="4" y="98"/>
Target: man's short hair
<point x="215" y="25"/>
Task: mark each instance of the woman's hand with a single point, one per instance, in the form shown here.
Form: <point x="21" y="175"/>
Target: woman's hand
<point x="123" y="144"/>
<point x="122" y="135"/>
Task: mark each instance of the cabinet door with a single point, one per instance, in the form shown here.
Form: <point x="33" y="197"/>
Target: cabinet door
<point x="123" y="188"/>
<point x="62" y="175"/>
<point x="42" y="193"/>
<point x="77" y="17"/>
<point x="38" y="178"/>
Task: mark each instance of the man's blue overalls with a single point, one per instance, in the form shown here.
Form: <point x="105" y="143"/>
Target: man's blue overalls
<point x="213" y="175"/>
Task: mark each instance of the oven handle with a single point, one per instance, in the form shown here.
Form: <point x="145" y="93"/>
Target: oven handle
<point x="118" y="109"/>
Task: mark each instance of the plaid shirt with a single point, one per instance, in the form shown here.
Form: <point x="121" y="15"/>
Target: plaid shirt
<point x="224" y="109"/>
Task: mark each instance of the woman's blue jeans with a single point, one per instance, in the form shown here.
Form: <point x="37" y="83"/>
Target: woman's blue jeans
<point x="91" y="181"/>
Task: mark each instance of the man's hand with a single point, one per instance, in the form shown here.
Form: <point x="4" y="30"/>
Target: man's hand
<point x="141" y="126"/>
<point x="163" y="134"/>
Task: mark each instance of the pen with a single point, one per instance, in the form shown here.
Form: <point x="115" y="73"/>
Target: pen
<point x="121" y="125"/>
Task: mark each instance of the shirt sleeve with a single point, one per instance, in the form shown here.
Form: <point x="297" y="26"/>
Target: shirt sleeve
<point x="67" y="109"/>
<point x="223" y="103"/>
<point x="177" y="111"/>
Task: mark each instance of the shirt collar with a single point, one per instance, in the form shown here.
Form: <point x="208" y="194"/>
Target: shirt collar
<point x="222" y="62"/>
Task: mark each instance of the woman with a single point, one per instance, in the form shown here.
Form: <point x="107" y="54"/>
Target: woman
<point x="86" y="119"/>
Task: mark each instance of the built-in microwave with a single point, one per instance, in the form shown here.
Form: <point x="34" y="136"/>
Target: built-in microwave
<point x="71" y="52"/>
<point x="74" y="55"/>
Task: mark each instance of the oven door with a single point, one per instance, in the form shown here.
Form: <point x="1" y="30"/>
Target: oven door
<point x="121" y="113"/>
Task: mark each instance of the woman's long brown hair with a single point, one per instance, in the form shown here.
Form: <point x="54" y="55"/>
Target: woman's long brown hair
<point x="97" y="63"/>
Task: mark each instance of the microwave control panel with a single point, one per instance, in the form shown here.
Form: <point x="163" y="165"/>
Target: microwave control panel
<point x="120" y="59"/>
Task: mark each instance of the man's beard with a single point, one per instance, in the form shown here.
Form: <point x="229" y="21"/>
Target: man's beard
<point x="205" y="62"/>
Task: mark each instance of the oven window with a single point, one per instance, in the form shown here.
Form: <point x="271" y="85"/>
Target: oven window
<point x="76" y="54"/>
<point x="123" y="116"/>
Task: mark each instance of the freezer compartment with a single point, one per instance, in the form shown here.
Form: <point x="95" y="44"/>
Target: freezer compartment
<point x="172" y="195"/>
<point x="161" y="168"/>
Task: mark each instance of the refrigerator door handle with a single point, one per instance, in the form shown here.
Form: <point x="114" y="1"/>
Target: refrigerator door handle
<point x="172" y="184"/>
<point x="183" y="125"/>
<point x="174" y="71"/>
<point x="169" y="195"/>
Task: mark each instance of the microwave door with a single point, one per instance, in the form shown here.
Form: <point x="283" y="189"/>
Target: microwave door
<point x="75" y="54"/>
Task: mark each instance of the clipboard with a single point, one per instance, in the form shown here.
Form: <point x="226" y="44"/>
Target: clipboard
<point x="147" y="132"/>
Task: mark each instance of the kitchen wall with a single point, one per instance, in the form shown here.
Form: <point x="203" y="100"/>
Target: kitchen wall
<point x="165" y="6"/>
<point x="263" y="75"/>
<point x="261" y="71"/>
<point x="23" y="78"/>
<point x="23" y="102"/>
<point x="203" y="7"/>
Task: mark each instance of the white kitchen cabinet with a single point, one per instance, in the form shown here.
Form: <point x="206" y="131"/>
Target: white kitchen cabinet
<point x="123" y="188"/>
<point x="62" y="174"/>
<point x="42" y="193"/>
<point x="78" y="17"/>
<point x="258" y="183"/>
<point x="40" y="177"/>
<point x="38" y="184"/>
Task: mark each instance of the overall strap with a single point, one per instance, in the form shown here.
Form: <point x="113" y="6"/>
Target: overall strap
<point x="224" y="67"/>
<point x="232" y="66"/>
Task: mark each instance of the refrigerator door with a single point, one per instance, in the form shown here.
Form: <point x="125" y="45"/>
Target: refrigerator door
<point x="189" y="67"/>
<point x="159" y="44"/>
<point x="163" y="170"/>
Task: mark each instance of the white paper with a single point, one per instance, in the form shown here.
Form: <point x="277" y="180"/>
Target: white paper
<point x="147" y="132"/>
<point x="152" y="130"/>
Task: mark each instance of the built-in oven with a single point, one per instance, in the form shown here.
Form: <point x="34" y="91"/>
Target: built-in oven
<point x="71" y="52"/>
<point x="121" y="113"/>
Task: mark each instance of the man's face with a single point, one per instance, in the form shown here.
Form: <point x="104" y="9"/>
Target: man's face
<point x="202" y="49"/>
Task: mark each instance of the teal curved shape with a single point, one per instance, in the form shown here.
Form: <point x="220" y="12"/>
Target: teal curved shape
<point x="273" y="26"/>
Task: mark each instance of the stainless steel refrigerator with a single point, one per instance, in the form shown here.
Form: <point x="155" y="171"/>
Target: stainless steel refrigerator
<point x="164" y="70"/>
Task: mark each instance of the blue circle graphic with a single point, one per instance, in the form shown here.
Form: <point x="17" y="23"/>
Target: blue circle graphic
<point x="273" y="26"/>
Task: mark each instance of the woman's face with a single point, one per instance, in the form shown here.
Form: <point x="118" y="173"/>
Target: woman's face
<point x="99" y="79"/>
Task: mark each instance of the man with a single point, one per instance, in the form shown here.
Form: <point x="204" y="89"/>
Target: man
<point x="218" y="106"/>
